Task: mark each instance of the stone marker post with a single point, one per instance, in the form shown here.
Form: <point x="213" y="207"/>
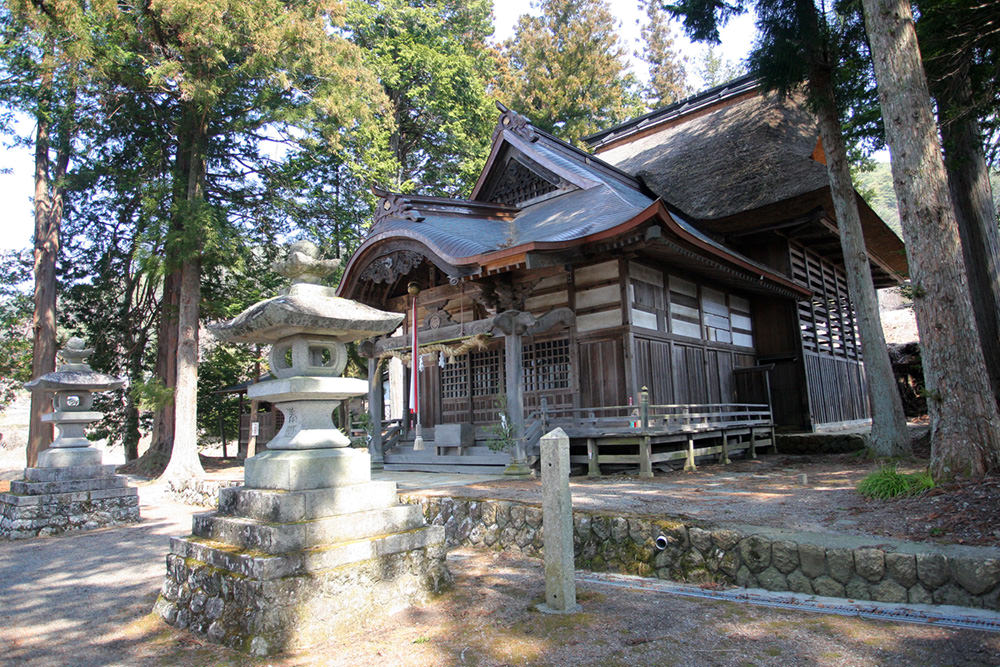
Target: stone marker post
<point x="557" y="525"/>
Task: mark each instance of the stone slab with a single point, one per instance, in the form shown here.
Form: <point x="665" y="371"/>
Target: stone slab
<point x="61" y="474"/>
<point x="69" y="457"/>
<point x="308" y="388"/>
<point x="273" y="566"/>
<point x="298" y="470"/>
<point x="274" y="506"/>
<point x="22" y="487"/>
<point x="280" y="538"/>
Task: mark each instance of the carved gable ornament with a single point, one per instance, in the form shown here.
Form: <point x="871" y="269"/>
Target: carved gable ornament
<point x="389" y="268"/>
<point x="514" y="122"/>
<point x="393" y="205"/>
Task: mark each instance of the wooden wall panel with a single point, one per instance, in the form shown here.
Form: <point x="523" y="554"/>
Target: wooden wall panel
<point x="602" y="373"/>
<point x="652" y="360"/>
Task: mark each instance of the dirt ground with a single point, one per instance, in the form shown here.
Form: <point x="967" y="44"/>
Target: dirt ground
<point x="489" y="619"/>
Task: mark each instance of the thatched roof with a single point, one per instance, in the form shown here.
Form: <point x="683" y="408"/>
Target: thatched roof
<point x="732" y="158"/>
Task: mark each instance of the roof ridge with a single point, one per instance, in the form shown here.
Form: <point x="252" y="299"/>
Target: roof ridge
<point x="408" y="206"/>
<point x="677" y="109"/>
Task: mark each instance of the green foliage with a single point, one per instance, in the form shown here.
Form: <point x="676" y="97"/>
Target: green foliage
<point x="568" y="71"/>
<point x="222" y="366"/>
<point x="714" y="70"/>
<point x="875" y="185"/>
<point x="15" y="325"/>
<point x="667" y="67"/>
<point x="502" y="431"/>
<point x="887" y="482"/>
<point x="434" y="65"/>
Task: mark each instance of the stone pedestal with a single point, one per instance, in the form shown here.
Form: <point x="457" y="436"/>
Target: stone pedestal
<point x="276" y="570"/>
<point x="49" y="501"/>
<point x="310" y="542"/>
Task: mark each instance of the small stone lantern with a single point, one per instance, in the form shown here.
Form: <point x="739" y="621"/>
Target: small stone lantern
<point x="69" y="488"/>
<point x="73" y="386"/>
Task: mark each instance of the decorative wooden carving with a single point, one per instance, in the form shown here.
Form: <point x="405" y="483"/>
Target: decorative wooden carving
<point x="396" y="206"/>
<point x="439" y="318"/>
<point x="388" y="268"/>
<point x="515" y="322"/>
<point x="518" y="184"/>
<point x="512" y="121"/>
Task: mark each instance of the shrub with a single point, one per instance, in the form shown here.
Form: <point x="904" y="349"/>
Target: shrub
<point x="888" y="482"/>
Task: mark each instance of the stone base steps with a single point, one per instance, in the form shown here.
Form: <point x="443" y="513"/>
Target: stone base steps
<point x="282" y="538"/>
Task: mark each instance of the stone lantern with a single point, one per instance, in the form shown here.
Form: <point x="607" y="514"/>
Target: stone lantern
<point x="69" y="488"/>
<point x="309" y="524"/>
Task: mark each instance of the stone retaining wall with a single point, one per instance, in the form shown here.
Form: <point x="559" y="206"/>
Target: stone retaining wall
<point x="857" y="567"/>
<point x="200" y="492"/>
<point x="66" y="512"/>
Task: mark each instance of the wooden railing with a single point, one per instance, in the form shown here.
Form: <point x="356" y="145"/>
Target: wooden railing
<point x="392" y="430"/>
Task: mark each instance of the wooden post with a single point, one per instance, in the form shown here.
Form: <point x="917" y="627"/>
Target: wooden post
<point x="724" y="456"/>
<point x="222" y="435"/>
<point x="513" y="351"/>
<point x="545" y="414"/>
<point x="252" y="439"/>
<point x="689" y="465"/>
<point x="645" y="465"/>
<point x="593" y="467"/>
<point x="239" y="428"/>
<point x="375" y="412"/>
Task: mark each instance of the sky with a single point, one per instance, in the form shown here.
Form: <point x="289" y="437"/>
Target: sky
<point x="16" y="165"/>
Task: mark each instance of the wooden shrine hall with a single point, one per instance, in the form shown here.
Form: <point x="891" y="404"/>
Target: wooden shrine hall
<point x="677" y="293"/>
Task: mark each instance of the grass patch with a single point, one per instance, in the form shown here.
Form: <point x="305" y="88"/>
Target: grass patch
<point x="887" y="482"/>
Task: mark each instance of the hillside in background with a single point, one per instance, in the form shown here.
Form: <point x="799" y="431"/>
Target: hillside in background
<point x="876" y="187"/>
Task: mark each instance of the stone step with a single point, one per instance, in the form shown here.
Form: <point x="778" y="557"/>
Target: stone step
<point x="60" y="474"/>
<point x="497" y="458"/>
<point x="273" y="566"/>
<point x="278" y="538"/>
<point x="25" y="488"/>
<point x="288" y="506"/>
<point x="444" y="467"/>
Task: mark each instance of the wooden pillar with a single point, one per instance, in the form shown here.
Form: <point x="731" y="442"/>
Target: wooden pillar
<point x="375" y="412"/>
<point x="514" y="352"/>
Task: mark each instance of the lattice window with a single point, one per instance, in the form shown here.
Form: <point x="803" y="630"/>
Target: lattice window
<point x="519" y="184"/>
<point x="827" y="321"/>
<point x="546" y="365"/>
<point x="487" y="372"/>
<point x="455" y="378"/>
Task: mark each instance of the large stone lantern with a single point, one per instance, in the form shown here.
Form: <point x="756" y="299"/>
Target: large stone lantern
<point x="69" y="488"/>
<point x="310" y="541"/>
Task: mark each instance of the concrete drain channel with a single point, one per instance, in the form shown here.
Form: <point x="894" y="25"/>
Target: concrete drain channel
<point x="942" y="616"/>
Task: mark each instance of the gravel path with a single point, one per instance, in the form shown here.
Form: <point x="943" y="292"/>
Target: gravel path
<point x="64" y="599"/>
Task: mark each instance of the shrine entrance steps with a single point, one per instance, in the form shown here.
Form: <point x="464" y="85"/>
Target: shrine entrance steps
<point x="478" y="460"/>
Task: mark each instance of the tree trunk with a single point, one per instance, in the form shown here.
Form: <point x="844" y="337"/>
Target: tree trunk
<point x="165" y="371"/>
<point x="972" y="197"/>
<point x="889" y="436"/>
<point x="965" y="425"/>
<point x="184" y="462"/>
<point x="43" y="322"/>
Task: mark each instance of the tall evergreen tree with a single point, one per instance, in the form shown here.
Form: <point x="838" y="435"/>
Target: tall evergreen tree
<point x="44" y="48"/>
<point x="434" y="65"/>
<point x="668" y="81"/>
<point x="569" y="72"/>
<point x="797" y="45"/>
<point x="965" y="424"/>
